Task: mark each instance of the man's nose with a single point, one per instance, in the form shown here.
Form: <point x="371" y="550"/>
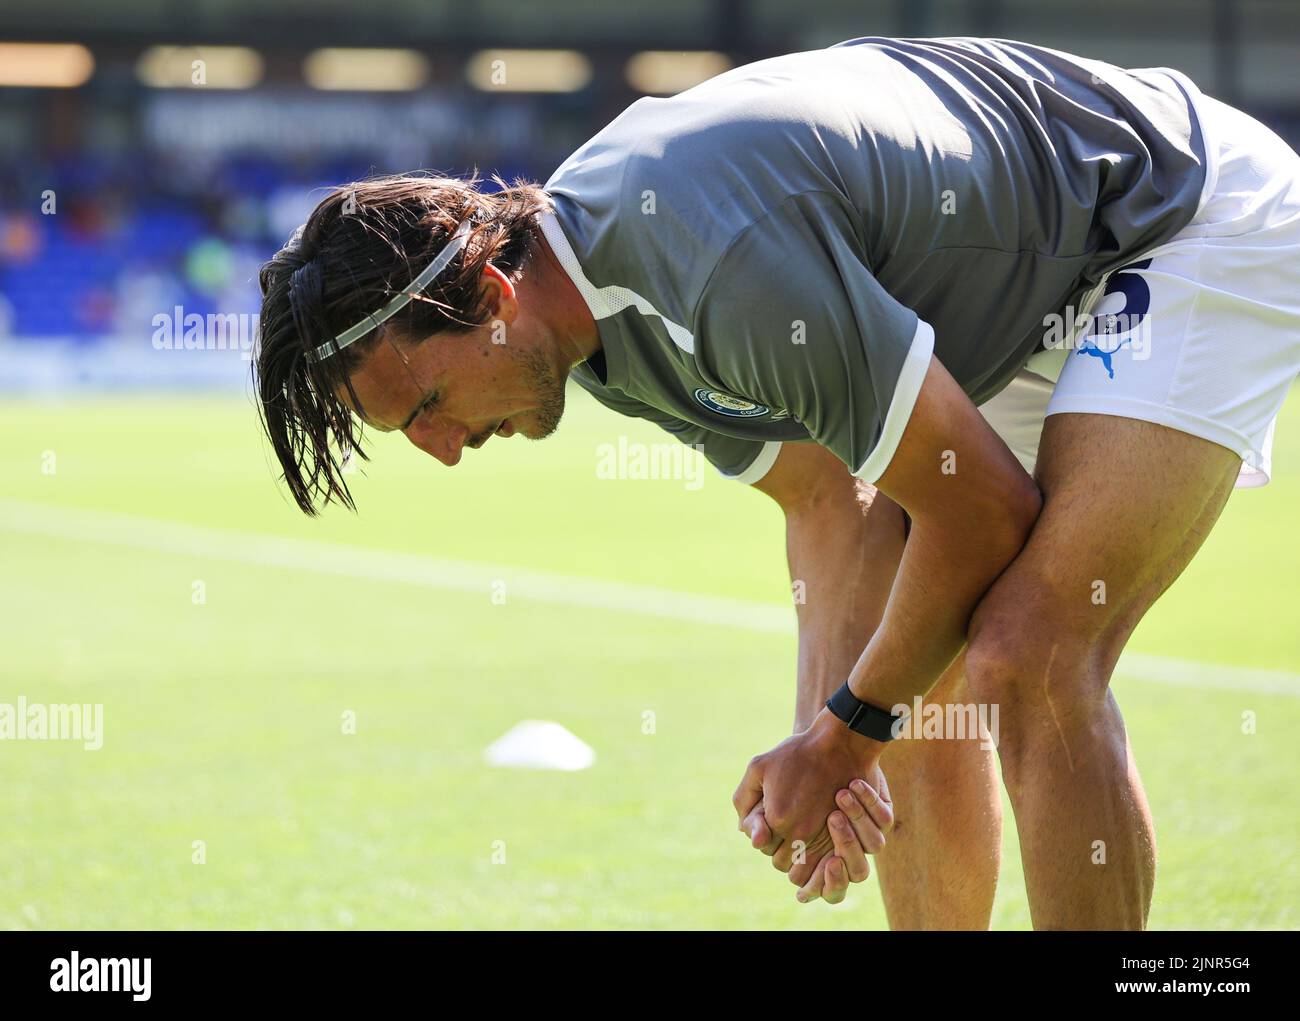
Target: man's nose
<point x="439" y="438"/>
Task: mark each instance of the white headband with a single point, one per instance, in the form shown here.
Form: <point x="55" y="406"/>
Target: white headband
<point x="416" y="286"/>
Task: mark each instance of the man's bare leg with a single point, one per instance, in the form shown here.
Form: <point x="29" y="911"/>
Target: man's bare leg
<point x="939" y="868"/>
<point x="1127" y="504"/>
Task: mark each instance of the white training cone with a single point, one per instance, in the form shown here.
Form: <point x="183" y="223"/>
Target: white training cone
<point x="539" y="744"/>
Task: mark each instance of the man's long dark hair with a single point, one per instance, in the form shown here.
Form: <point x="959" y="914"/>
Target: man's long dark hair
<point x="359" y="248"/>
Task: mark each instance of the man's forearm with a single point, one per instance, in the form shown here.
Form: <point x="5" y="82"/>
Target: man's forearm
<point x="843" y="553"/>
<point x="945" y="571"/>
<point x="972" y="507"/>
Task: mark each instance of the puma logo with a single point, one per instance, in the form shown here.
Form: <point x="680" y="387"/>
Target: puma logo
<point x="1089" y="348"/>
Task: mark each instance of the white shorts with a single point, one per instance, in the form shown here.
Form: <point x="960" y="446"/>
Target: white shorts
<point x="1201" y="334"/>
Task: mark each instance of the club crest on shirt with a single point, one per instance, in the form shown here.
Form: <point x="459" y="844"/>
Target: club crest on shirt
<point x="733" y="407"/>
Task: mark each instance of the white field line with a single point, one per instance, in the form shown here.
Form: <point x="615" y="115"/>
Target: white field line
<point x="312" y="555"/>
<point x="379" y="565"/>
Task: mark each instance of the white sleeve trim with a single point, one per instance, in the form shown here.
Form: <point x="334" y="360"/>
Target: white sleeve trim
<point x="900" y="408"/>
<point x="760" y="466"/>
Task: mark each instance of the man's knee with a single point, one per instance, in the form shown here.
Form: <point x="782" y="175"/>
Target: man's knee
<point x="1047" y="680"/>
<point x="1039" y="633"/>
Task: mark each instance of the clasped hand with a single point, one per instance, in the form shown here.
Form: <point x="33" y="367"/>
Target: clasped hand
<point x="817" y="804"/>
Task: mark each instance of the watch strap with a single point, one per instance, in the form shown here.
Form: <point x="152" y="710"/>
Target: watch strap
<point x="861" y="717"/>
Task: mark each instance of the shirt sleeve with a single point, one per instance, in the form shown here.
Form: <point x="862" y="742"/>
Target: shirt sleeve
<point x="739" y="459"/>
<point x="793" y="318"/>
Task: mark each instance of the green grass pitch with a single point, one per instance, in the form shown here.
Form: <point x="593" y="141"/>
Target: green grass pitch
<point x="223" y="719"/>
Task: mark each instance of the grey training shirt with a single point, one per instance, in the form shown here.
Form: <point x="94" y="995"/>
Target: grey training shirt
<point x="774" y="254"/>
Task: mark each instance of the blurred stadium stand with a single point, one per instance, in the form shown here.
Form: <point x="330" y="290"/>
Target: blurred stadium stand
<point x="169" y="193"/>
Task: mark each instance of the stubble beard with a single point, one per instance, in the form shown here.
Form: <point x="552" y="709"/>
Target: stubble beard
<point x="549" y="391"/>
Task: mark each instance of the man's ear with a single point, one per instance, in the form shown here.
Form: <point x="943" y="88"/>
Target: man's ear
<point x="499" y="295"/>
